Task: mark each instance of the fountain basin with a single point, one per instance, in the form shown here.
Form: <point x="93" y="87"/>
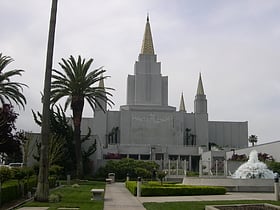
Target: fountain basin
<point x="233" y="185"/>
<point x="263" y="206"/>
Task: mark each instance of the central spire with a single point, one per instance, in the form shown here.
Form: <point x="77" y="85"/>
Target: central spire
<point x="147" y="44"/>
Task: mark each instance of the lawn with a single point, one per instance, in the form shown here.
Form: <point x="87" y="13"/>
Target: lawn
<point x="75" y="197"/>
<point x="198" y="205"/>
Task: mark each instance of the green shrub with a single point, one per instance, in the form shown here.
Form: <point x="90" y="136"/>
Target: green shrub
<point x="75" y="185"/>
<point x="54" y="198"/>
<point x="156" y="189"/>
<point x="142" y="172"/>
<point x="5" y="174"/>
<point x="126" y="166"/>
<point x="131" y="186"/>
<point x="52" y="181"/>
<point x="10" y="192"/>
<point x="55" y="170"/>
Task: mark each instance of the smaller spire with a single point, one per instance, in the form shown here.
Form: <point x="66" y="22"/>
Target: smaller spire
<point x="200" y="90"/>
<point x="182" y="104"/>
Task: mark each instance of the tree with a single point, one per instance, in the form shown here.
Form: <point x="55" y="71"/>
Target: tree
<point x="161" y="175"/>
<point x="9" y="90"/>
<point x="10" y="143"/>
<point x="253" y="139"/>
<point x="42" y="191"/>
<point x="78" y="84"/>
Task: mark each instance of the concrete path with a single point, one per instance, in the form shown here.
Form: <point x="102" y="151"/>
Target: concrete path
<point x="117" y="197"/>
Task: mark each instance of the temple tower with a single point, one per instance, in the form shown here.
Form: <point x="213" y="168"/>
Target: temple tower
<point x="201" y="115"/>
<point x="147" y="86"/>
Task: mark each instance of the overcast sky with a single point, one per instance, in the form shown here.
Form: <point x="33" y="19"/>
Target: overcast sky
<point x="234" y="44"/>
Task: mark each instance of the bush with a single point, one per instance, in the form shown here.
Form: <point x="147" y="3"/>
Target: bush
<point x="75" y="185"/>
<point x="55" y="170"/>
<point x="131" y="186"/>
<point x="10" y="192"/>
<point x="126" y="166"/>
<point x="54" y="198"/>
<point x="155" y="189"/>
<point x="274" y="166"/>
<point x="5" y="174"/>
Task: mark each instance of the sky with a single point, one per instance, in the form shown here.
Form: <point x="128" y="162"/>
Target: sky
<point x="234" y="44"/>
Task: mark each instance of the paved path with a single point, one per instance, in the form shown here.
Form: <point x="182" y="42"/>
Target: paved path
<point x="117" y="197"/>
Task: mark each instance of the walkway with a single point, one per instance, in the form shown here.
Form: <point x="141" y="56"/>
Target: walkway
<point x="117" y="197"/>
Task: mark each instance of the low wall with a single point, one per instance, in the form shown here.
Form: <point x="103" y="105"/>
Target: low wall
<point x="234" y="185"/>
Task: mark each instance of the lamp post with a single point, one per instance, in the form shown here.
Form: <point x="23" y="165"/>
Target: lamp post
<point x="276" y="187"/>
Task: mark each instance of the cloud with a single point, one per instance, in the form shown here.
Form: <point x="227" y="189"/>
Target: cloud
<point x="235" y="44"/>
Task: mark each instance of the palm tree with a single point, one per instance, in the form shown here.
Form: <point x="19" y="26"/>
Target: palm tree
<point x="253" y="139"/>
<point x="78" y="84"/>
<point x="10" y="91"/>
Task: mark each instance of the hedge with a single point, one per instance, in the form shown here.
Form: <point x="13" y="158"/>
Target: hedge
<point x="12" y="191"/>
<point x="153" y="189"/>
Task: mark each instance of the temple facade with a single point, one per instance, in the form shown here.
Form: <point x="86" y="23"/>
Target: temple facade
<point x="147" y="128"/>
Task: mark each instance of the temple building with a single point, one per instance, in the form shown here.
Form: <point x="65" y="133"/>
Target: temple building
<point x="147" y="128"/>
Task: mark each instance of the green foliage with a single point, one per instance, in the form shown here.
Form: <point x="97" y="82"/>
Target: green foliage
<point x="127" y="166"/>
<point x="61" y="146"/>
<point x="75" y="185"/>
<point x="5" y="174"/>
<point x="11" y="189"/>
<point x="10" y="141"/>
<point x="9" y="90"/>
<point x="9" y="193"/>
<point x="18" y="173"/>
<point x="156" y="189"/>
<point x="131" y="186"/>
<point x="55" y="170"/>
<point x="274" y="166"/>
<point x="161" y="175"/>
<point x="142" y="172"/>
<point x="54" y="198"/>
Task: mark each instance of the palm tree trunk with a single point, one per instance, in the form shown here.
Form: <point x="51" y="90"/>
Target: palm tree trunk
<point x="42" y="191"/>
<point x="78" y="106"/>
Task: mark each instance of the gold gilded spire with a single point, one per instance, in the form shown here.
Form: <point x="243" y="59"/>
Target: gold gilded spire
<point x="200" y="90"/>
<point x="182" y="104"/>
<point x="147" y="44"/>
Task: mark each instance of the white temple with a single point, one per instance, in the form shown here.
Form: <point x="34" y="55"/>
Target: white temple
<point x="147" y="128"/>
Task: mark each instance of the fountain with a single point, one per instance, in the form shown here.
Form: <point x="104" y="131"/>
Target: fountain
<point x="253" y="169"/>
<point x="252" y="176"/>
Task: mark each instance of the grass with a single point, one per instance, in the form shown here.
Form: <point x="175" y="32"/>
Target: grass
<point x="199" y="205"/>
<point x="75" y="197"/>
